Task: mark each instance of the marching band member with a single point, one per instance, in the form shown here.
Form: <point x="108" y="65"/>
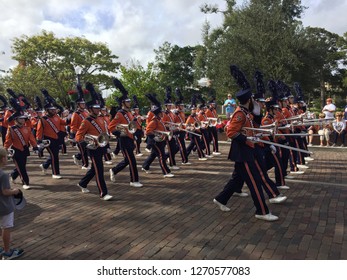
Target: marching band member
<point x="3" y="109"/>
<point x="169" y="120"/>
<point x="124" y="118"/>
<point x="77" y="117"/>
<point x="48" y="128"/>
<point x="181" y="119"/>
<point x="104" y="114"/>
<point x="211" y="112"/>
<point x="156" y="139"/>
<point x="139" y="132"/>
<point x="194" y="139"/>
<point x="204" y="127"/>
<point x="94" y="126"/>
<point x="18" y="138"/>
<point x="242" y="153"/>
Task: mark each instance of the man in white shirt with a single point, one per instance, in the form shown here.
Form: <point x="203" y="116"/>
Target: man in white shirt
<point x="329" y="109"/>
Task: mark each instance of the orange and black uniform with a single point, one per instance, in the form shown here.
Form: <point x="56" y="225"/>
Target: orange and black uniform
<point x="242" y="153"/>
<point x="194" y="139"/>
<point x="19" y="138"/>
<point x="275" y="159"/>
<point x="180" y="118"/>
<point x="157" y="145"/>
<point x="212" y="113"/>
<point x="204" y="131"/>
<point x="76" y="119"/>
<point x="172" y="145"/>
<point x="126" y="144"/>
<point x="94" y="126"/>
<point x="138" y="133"/>
<point x="49" y="128"/>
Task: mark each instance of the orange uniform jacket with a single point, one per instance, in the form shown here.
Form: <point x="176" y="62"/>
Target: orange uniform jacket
<point x="87" y="127"/>
<point x="45" y="129"/>
<point x="18" y="137"/>
<point x="121" y="118"/>
<point x="76" y="120"/>
<point x="155" y="124"/>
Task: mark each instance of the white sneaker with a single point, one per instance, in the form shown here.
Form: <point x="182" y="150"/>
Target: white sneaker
<point x="112" y="176"/>
<point x="113" y="155"/>
<point x="202" y="158"/>
<point x="289" y="177"/>
<point x="43" y="169"/>
<point x="86" y="167"/>
<point x="302" y="166"/>
<point x="216" y="153"/>
<point x="169" y="175"/>
<point x="174" y="167"/>
<point x="296" y="172"/>
<point x="106" y="197"/>
<point x="146" y="170"/>
<point x="147" y="150"/>
<point x="56" y="176"/>
<point x="139" y="155"/>
<point x="108" y="162"/>
<point x="84" y="190"/>
<point x="309" y="145"/>
<point x="209" y="156"/>
<point x="283" y="187"/>
<point x="26" y="187"/>
<point x="221" y="206"/>
<point x="268" y="217"/>
<point x="186" y="163"/>
<point x="76" y="161"/>
<point x="278" y="199"/>
<point x="136" y="184"/>
<point x="241" y="194"/>
<point x="309" y="158"/>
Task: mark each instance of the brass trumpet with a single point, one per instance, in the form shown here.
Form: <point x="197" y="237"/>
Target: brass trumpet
<point x="262" y="131"/>
<point x="95" y="142"/>
<point x="160" y="136"/>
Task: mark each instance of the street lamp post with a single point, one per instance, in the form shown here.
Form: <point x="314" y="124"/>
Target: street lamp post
<point x="78" y="71"/>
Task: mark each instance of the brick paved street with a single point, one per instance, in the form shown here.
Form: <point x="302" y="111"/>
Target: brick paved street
<point x="176" y="219"/>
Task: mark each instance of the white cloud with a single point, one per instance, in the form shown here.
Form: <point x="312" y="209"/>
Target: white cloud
<point x="133" y="28"/>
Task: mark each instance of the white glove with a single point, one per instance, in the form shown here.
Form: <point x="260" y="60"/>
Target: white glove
<point x="273" y="149"/>
<point x="253" y="139"/>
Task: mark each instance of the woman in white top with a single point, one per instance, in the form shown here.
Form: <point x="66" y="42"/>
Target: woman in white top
<point x="329" y="109"/>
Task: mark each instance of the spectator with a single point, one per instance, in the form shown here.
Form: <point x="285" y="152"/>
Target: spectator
<point x="230" y="105"/>
<point x="329" y="109"/>
<point x="322" y="129"/>
<point x="7" y="211"/>
<point x="339" y="126"/>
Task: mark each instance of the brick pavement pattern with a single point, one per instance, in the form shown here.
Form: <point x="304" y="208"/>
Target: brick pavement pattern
<point x="174" y="218"/>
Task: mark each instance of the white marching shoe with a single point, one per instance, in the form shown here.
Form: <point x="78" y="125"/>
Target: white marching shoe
<point x="136" y="184"/>
<point x="268" y="217"/>
<point x="221" y="206"/>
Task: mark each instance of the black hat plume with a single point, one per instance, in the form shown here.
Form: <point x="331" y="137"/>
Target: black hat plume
<point x="239" y="77"/>
<point x="4" y="101"/>
<point x="273" y="89"/>
<point x="12" y="93"/>
<point x="258" y="77"/>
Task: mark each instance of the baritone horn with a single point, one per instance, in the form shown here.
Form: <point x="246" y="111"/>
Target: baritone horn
<point x="160" y="136"/>
<point x="95" y="142"/>
<point x="124" y="128"/>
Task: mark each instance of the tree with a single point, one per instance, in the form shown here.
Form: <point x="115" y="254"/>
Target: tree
<point x="58" y="58"/>
<point x="175" y="65"/>
<point x="138" y="81"/>
<point x="261" y="34"/>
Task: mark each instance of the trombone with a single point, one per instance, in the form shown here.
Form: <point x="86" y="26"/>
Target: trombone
<point x="95" y="142"/>
<point x="262" y="131"/>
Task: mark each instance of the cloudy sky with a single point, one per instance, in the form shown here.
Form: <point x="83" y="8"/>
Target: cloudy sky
<point x="133" y="28"/>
